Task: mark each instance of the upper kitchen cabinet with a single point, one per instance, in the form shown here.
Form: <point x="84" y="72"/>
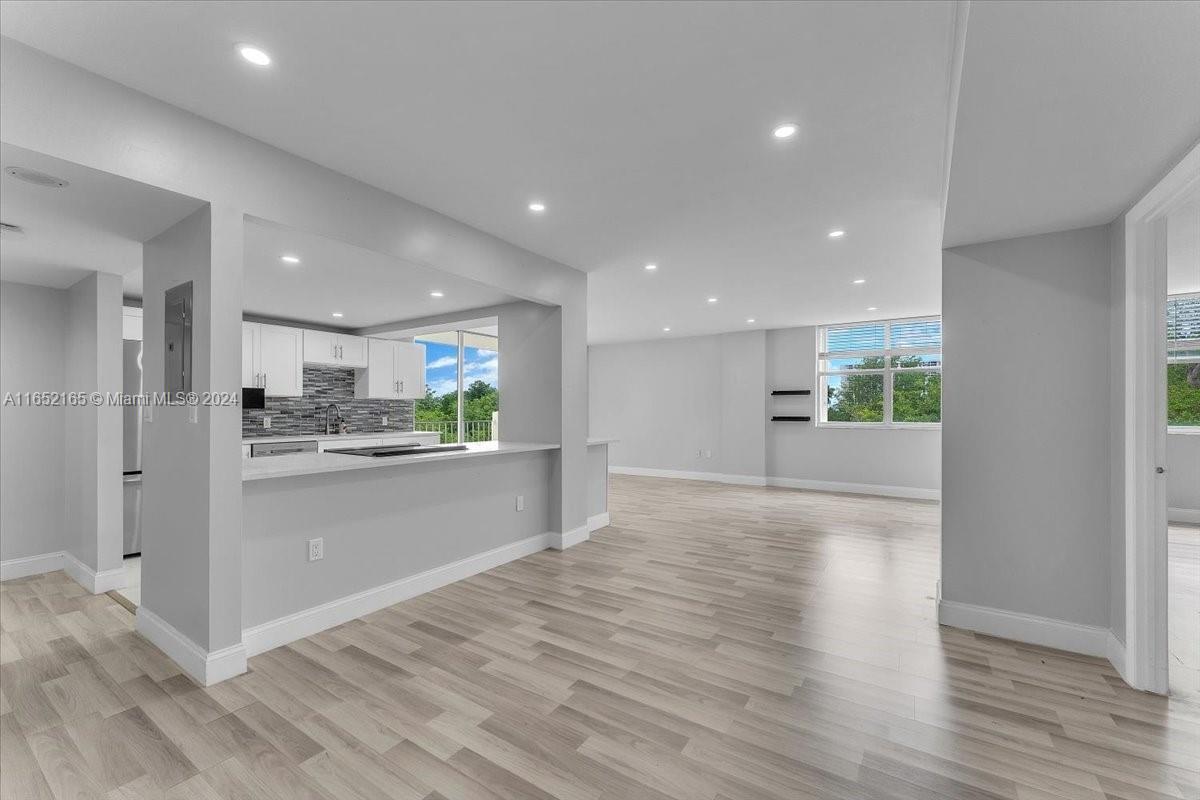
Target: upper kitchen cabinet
<point x="395" y="371"/>
<point x="334" y="349"/>
<point x="273" y="359"/>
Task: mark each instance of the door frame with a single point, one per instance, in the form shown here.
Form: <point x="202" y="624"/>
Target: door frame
<point x="1145" y="426"/>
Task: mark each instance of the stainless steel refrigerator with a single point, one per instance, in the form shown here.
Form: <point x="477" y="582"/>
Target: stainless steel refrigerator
<point x="131" y="371"/>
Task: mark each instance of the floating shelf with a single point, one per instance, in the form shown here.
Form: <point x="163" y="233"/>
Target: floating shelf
<point x="791" y="419"/>
<point x="790" y="391"/>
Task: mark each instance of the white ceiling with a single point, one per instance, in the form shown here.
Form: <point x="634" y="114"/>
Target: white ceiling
<point x="97" y="223"/>
<point x="1069" y="112"/>
<point x="368" y="288"/>
<point x="645" y="128"/>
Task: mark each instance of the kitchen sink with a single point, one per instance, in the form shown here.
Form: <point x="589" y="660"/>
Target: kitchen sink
<point x="389" y="450"/>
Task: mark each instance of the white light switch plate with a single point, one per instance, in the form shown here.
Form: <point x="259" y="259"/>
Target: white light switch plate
<point x="520" y="502"/>
<point x="385" y="420"/>
<point x="316" y="549"/>
<point x="266" y="422"/>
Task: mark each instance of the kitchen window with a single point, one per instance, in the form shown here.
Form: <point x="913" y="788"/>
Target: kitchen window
<point x="880" y="374"/>
<point x="1183" y="363"/>
<point x="462" y="394"/>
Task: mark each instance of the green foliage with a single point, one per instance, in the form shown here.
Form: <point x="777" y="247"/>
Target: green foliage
<point x="916" y="395"/>
<point x="480" y="400"/>
<point x="1183" y="398"/>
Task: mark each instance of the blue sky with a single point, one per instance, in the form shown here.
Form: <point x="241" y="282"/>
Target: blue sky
<point x="441" y="366"/>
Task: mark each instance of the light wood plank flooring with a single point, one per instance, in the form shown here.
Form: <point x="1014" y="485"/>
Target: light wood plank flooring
<point x="715" y="642"/>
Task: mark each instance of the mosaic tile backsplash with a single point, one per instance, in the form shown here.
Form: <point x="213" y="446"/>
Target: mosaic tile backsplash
<point x="305" y="416"/>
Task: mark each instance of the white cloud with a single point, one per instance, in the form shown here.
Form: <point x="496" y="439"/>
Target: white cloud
<point x="444" y="361"/>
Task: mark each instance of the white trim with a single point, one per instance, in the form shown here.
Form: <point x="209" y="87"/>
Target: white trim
<point x="881" y="426"/>
<point x="909" y="492"/>
<point x="598" y="521"/>
<point x="1188" y="516"/>
<point x="686" y="475"/>
<point x="1145" y="424"/>
<point x="1115" y="652"/>
<point x="277" y="632"/>
<point x="88" y="578"/>
<point x="1059" y="634"/>
<point x="204" y="667"/>
<point x="561" y="541"/>
<point x="13" y="568"/>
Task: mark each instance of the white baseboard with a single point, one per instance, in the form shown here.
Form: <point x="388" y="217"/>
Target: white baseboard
<point x="1115" y="653"/>
<point x="1059" y="634"/>
<point x="685" y="475"/>
<point x="204" y="667"/>
<point x="278" y="632"/>
<point x="88" y="578"/>
<point x="1189" y="516"/>
<point x="13" y="568"/>
<point x="907" y="492"/>
<point x="598" y="521"/>
<point x="561" y="541"/>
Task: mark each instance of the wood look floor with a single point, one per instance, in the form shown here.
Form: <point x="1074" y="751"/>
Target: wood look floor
<point x="715" y="642"/>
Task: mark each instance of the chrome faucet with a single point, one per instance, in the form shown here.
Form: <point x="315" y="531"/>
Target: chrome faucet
<point x="328" y="425"/>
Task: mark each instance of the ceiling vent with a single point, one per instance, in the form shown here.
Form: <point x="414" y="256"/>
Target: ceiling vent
<point x="36" y="178"/>
<point x="9" y="230"/>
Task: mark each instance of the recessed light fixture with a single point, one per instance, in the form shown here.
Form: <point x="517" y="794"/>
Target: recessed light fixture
<point x="836" y="234"/>
<point x="872" y="308"/>
<point x="290" y="259"/>
<point x="652" y="267"/>
<point x="785" y="131"/>
<point x="436" y="294"/>
<point x="255" y="55"/>
<point x="860" y="281"/>
<point x="666" y="330"/>
<point x="750" y="321"/>
<point x="712" y="299"/>
<point x="537" y="207"/>
<point x="338" y="314"/>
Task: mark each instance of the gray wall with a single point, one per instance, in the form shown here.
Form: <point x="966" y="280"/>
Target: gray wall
<point x="33" y="324"/>
<point x="597" y="479"/>
<point x="1026" y="426"/>
<point x="1116" y="426"/>
<point x="381" y="525"/>
<point x="670" y="400"/>
<point x="92" y="465"/>
<point x="1183" y="471"/>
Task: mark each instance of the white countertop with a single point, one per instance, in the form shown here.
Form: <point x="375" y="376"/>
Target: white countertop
<point x="347" y="436"/>
<point x="600" y="441"/>
<point x="256" y="469"/>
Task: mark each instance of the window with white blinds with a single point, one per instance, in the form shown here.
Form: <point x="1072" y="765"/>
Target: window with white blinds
<point x="1183" y="361"/>
<point x="886" y="373"/>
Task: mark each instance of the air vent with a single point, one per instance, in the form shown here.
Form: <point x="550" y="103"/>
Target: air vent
<point x="36" y="178"/>
<point x="9" y="230"/>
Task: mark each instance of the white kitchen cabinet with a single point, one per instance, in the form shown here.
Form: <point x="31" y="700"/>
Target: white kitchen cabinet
<point x="273" y="359"/>
<point x="395" y="371"/>
<point x="335" y="349"/>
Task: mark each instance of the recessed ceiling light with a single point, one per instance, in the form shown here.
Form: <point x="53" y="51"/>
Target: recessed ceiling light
<point x="290" y="259"/>
<point x="785" y="131"/>
<point x="254" y="55"/>
<point x="712" y="299"/>
<point x="836" y="234"/>
<point x="666" y="330"/>
<point x="652" y="267"/>
<point x="860" y="281"/>
<point x="872" y="308"/>
<point x="537" y="207"/>
<point x="436" y="294"/>
<point x="338" y="314"/>
<point x="750" y="321"/>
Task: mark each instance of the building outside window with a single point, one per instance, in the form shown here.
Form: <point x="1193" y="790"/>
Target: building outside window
<point x="1183" y="362"/>
<point x="880" y="374"/>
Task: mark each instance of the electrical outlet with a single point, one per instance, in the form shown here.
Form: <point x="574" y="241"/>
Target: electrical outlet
<point x="384" y="419"/>
<point x="708" y="453"/>
<point x="316" y="549"/>
<point x="266" y="422"/>
<point x="520" y="502"/>
<point x="699" y="454"/>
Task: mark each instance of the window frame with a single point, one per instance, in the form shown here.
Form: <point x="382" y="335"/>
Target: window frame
<point x="888" y="372"/>
<point x="1176" y="345"/>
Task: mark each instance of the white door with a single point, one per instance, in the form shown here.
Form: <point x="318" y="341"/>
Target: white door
<point x="250" y="367"/>
<point x="320" y="347"/>
<point x="410" y="370"/>
<point x="351" y="351"/>
<point x="281" y="356"/>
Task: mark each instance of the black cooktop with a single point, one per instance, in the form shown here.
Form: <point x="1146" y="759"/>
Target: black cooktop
<point x="389" y="450"/>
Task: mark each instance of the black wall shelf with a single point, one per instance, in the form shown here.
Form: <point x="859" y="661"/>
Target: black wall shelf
<point x="791" y="419"/>
<point x="776" y="392"/>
